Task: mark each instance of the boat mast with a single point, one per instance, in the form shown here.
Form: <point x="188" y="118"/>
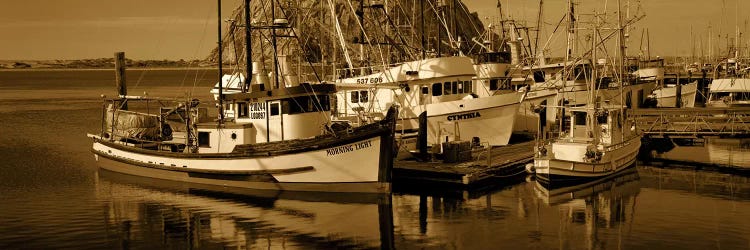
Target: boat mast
<point x="621" y="40"/>
<point x="273" y="42"/>
<point x="221" y="74"/>
<point x="248" y="47"/>
<point x="591" y="109"/>
<point x="421" y="15"/>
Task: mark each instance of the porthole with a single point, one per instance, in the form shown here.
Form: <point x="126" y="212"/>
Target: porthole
<point x="234" y="136"/>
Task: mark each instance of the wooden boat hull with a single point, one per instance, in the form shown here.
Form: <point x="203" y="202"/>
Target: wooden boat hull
<point x="356" y="165"/>
<point x="556" y="172"/>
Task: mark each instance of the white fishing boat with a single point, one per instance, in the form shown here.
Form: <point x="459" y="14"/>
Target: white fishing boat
<point x="650" y="69"/>
<point x="598" y="142"/>
<point x="443" y="88"/>
<point x="732" y="88"/>
<point x="666" y="96"/>
<point x="277" y="138"/>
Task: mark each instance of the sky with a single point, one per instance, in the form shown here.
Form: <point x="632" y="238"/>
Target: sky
<point x="186" y="29"/>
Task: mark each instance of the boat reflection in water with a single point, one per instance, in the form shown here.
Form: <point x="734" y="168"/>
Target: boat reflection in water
<point x="183" y="215"/>
<point x="608" y="203"/>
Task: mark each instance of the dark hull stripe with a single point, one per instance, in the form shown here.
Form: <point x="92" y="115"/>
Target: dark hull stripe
<point x="259" y="183"/>
<point x="206" y="171"/>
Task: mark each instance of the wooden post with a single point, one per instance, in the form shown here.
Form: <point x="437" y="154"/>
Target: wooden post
<point x="122" y="89"/>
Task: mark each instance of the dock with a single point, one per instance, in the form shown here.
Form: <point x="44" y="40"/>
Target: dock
<point x="692" y="122"/>
<point x="497" y="162"/>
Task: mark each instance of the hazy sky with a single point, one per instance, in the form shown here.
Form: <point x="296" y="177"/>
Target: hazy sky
<point x="175" y="29"/>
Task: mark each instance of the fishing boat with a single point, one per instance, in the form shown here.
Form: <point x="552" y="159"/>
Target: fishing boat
<point x="278" y="138"/>
<point x="441" y="87"/>
<point x="666" y="95"/>
<point x="732" y="87"/>
<point x="650" y="69"/>
<point x="598" y="141"/>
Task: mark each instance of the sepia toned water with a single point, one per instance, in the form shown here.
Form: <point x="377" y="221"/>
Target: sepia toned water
<point x="52" y="194"/>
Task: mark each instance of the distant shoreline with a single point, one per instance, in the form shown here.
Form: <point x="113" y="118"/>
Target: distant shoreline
<point x="104" y="64"/>
<point x="106" y="69"/>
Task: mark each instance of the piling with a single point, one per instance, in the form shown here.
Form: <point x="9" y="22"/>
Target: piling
<point x="122" y="89"/>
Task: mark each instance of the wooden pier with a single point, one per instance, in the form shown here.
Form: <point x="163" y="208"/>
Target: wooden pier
<point x="692" y="122"/>
<point x="497" y="162"/>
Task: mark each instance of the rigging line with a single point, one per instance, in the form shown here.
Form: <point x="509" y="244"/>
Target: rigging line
<point x="400" y="37"/>
<point x="303" y="47"/>
<point x="199" y="47"/>
<point x="442" y="21"/>
<point x="387" y="73"/>
<point x="340" y="35"/>
<point x="471" y="20"/>
<point x="317" y="103"/>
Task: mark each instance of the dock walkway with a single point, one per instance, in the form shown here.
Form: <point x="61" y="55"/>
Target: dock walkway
<point x="506" y="161"/>
<point x="692" y="122"/>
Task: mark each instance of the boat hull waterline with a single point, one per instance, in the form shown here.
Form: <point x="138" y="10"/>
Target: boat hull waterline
<point x="551" y="171"/>
<point x="347" y="167"/>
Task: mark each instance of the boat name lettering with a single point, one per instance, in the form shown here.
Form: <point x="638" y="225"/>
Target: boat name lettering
<point x="257" y="110"/>
<point x="348" y="148"/>
<point x="464" y="116"/>
<point x="370" y="80"/>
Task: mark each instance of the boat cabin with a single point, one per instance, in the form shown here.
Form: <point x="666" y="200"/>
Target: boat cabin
<point x="606" y="127"/>
<point x="259" y="116"/>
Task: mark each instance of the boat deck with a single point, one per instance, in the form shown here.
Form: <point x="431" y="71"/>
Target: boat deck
<point x="498" y="162"/>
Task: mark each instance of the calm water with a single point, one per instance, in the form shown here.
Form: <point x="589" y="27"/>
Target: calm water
<point x="53" y="196"/>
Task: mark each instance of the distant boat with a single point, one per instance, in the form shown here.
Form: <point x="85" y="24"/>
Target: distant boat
<point x="666" y="96"/>
<point x="280" y="138"/>
<point x="732" y="88"/>
<point x="650" y="70"/>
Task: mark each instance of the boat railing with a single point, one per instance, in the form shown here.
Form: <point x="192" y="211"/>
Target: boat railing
<point x="363" y="71"/>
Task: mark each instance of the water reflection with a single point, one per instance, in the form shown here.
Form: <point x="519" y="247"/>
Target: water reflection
<point x="144" y="212"/>
<point x="607" y="203"/>
<point x="729" y="152"/>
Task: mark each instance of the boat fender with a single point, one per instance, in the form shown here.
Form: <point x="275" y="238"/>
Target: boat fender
<point x="530" y="168"/>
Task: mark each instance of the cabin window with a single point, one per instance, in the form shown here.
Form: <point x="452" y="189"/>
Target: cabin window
<point x="325" y="102"/>
<point x="354" y="98"/>
<point x="437" y="89"/>
<point x="494" y="84"/>
<point x="242" y="109"/>
<point x="447" y="88"/>
<point x="425" y="90"/>
<point x="460" y="87"/>
<point x="538" y="76"/>
<point x="364" y="96"/>
<point x="454" y="87"/>
<point x="580" y="118"/>
<point x="467" y="87"/>
<point x="204" y="139"/>
<point x="304" y="104"/>
<point x="275" y="109"/>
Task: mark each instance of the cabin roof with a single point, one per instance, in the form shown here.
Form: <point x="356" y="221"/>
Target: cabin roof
<point x="730" y="85"/>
